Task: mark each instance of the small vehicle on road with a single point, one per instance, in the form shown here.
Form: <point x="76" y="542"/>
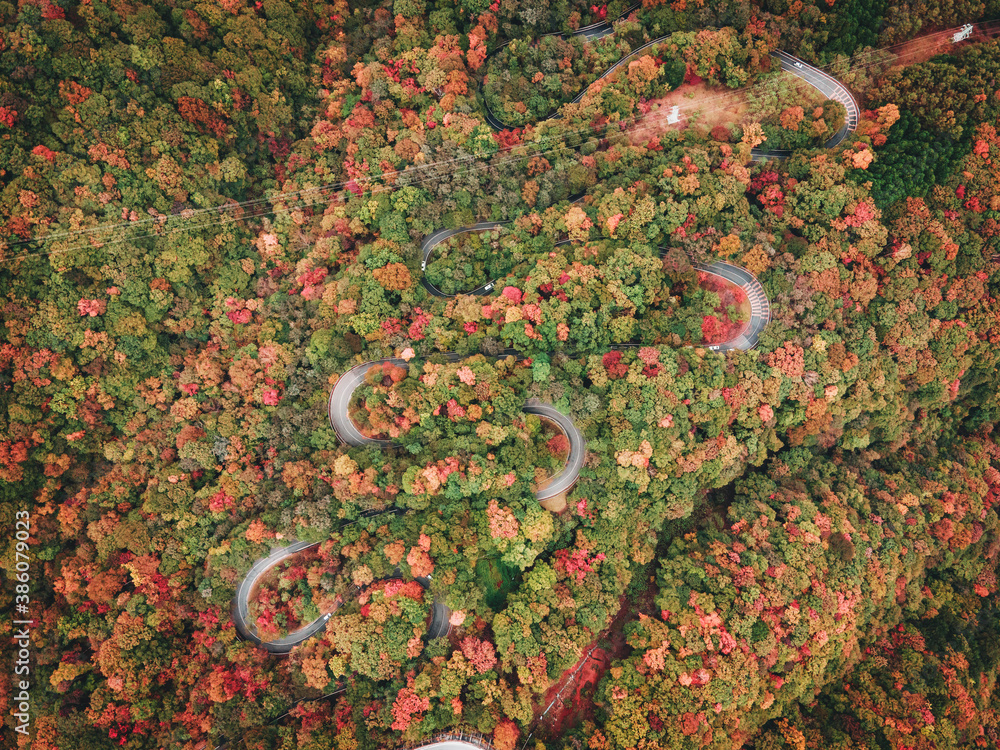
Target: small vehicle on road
<point x="798" y="64"/>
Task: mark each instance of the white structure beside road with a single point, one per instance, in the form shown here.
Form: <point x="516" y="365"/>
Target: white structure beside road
<point x="963" y="33"/>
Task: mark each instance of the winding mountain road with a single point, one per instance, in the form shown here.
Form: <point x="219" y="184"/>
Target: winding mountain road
<point x="760" y="307"/>
<point x="338" y="406"/>
<point x="340" y="401"/>
<point x="760" y="312"/>
<point x="348" y="432"/>
<point x="826" y="84"/>
<point x="590" y="33"/>
<point x="241" y="602"/>
<point x="438" y="628"/>
<point x="431" y="241"/>
<point x="565" y="479"/>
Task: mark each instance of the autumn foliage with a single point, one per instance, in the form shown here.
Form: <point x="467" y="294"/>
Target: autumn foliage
<point x="214" y="211"/>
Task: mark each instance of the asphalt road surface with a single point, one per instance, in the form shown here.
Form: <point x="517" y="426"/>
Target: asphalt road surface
<point x="826" y="84"/>
<point x="566" y="478"/>
<point x="340" y="400"/>
<point x="241" y="602"/>
<point x="431" y="241"/>
<point x="760" y="308"/>
<point x="348" y="432"/>
<point x="438" y="628"/>
<point x="760" y="315"/>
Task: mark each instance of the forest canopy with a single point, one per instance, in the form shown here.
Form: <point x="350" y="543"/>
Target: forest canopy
<point x="776" y="513"/>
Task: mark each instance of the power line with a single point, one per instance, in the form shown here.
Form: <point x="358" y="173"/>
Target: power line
<point x="560" y="135"/>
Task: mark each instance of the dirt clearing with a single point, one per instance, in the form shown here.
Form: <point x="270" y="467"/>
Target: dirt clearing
<point x="702" y="107"/>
